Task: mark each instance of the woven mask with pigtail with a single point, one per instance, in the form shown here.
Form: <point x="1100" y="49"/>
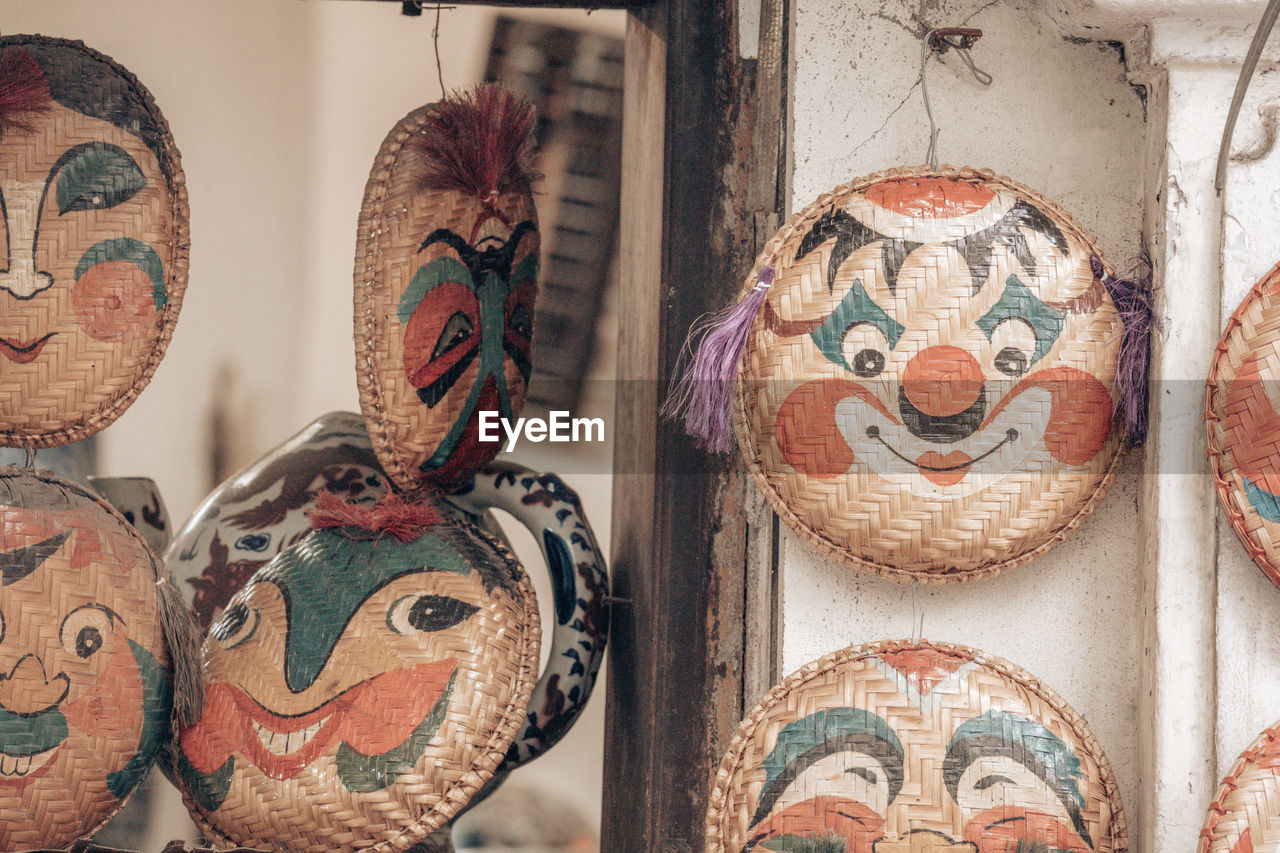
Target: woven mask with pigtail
<point x="931" y="373"/>
<point x="446" y="274"/>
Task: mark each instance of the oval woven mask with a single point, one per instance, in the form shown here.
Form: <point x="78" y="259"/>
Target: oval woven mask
<point x="85" y="689"/>
<point x="913" y="747"/>
<point x="1242" y="424"/>
<point x="445" y="278"/>
<point x="1245" y="815"/>
<point x="95" y="211"/>
<point x="362" y="687"/>
<point x="926" y="392"/>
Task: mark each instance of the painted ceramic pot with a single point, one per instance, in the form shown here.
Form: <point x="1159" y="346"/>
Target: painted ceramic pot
<point x="445" y="278"/>
<point x="914" y="747"/>
<point x="138" y="500"/>
<point x="262" y="509"/>
<point x="1245" y="815"/>
<point x="1242" y="424"/>
<point x="96" y="216"/>
<point x="926" y="393"/>
<point x="410" y="681"/>
<point x="85" y="692"/>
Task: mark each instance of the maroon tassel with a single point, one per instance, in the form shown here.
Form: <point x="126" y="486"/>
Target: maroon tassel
<point x="394" y="515"/>
<point x="707" y="369"/>
<point x="1134" y="299"/>
<point x="24" y="91"/>
<point x="479" y="142"/>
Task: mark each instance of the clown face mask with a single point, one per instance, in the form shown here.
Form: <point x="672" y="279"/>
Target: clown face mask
<point x="1243" y="817"/>
<point x="926" y="391"/>
<point x="1243" y="426"/>
<point x="95" y="241"/>
<point x="371" y="680"/>
<point x="446" y="275"/>
<point x="84" y="683"/>
<point x="914" y="748"/>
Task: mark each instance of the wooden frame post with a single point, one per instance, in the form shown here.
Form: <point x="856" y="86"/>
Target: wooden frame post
<point x="702" y="142"/>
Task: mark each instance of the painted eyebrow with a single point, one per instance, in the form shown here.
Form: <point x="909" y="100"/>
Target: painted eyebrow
<point x="111" y="614"/>
<point x="856" y="307"/>
<point x="1017" y="300"/>
<point x="811" y="739"/>
<point x="1021" y="739"/>
<point x="20" y="562"/>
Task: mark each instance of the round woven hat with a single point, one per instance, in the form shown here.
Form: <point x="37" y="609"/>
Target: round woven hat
<point x="913" y="747"/>
<point x="95" y="210"/>
<point x="364" y="684"/>
<point x="1242" y="424"/>
<point x="446" y="273"/>
<point x="85" y="690"/>
<point x="1245" y="815"/>
<point x="927" y="391"/>
<point x="262" y="509"/>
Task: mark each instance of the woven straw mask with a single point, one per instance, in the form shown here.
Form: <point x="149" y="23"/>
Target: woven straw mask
<point x="361" y="688"/>
<point x="445" y="280"/>
<point x="95" y="216"/>
<point x="926" y="392"/>
<point x="1243" y="426"/>
<point x="913" y="748"/>
<point x="1245" y="816"/>
<point x="84" y="680"/>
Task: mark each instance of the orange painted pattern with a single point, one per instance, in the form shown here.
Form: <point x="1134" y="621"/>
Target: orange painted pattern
<point x="929" y="198"/>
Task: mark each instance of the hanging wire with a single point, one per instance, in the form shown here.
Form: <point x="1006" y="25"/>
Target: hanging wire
<point x="915" y="636"/>
<point x="31" y="456"/>
<point x="435" y="41"/>
<point x="939" y="40"/>
<point x="1260" y="35"/>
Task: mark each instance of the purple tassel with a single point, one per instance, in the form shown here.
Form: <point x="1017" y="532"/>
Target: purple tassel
<point x="1135" y="301"/>
<point x="702" y="394"/>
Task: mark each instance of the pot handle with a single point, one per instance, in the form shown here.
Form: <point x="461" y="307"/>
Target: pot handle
<point x="580" y="586"/>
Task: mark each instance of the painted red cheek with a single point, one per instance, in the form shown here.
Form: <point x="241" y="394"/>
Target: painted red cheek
<point x="1010" y="829"/>
<point x="1080" y="412"/>
<point x="113" y="301"/>
<point x="113" y="705"/>
<point x="807" y="434"/>
<point x="1252" y="427"/>
<point x="853" y="821"/>
<point x="422" y="332"/>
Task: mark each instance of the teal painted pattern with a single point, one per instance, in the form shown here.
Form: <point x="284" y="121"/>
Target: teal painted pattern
<point x="24" y="735"/>
<point x="97" y="176"/>
<point x="1266" y="504"/>
<point x="428" y="278"/>
<point x="1019" y="302"/>
<point x="856" y="307"/>
<point x="803" y="735"/>
<point x="157" y="701"/>
<point x="133" y="251"/>
<point x="209" y="790"/>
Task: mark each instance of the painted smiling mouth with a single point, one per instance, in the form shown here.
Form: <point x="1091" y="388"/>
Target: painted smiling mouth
<point x="943" y="474"/>
<point x="287" y="743"/>
<point x="19" y="766"/>
<point x="23" y="353"/>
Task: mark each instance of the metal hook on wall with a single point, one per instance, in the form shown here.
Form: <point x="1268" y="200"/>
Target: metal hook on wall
<point x="940" y="40"/>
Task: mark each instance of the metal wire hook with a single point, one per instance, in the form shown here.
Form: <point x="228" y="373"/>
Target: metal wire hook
<point x="939" y="40"/>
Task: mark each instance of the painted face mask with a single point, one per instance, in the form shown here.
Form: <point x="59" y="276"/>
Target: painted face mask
<point x="1243" y="426"/>
<point x="387" y="658"/>
<point x="914" y="748"/>
<point x="1244" y="818"/>
<point x="446" y="275"/>
<point x="926" y="392"/>
<point x="85" y="691"/>
<point x="95" y="225"/>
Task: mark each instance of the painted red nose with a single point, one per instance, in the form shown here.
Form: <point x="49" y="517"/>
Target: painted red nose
<point x="942" y="381"/>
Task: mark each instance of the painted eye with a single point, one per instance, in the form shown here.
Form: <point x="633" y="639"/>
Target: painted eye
<point x="991" y="781"/>
<point x="1014" y="342"/>
<point x="864" y="348"/>
<point x="520" y="322"/>
<point x="85" y="629"/>
<point x="97" y="176"/>
<point x="426" y="613"/>
<point x="456" y="330"/>
<point x="253" y="542"/>
<point x="1012" y="361"/>
<point x="866" y="773"/>
<point x="1" y="627"/>
<point x="238" y="623"/>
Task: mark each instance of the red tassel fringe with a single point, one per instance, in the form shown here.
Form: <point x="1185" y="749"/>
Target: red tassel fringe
<point x="480" y="142"/>
<point x="24" y="92"/>
<point x="394" y="515"/>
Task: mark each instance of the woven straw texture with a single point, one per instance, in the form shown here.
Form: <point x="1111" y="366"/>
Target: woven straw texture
<point x="373" y="713"/>
<point x="85" y="693"/>
<point x="1245" y="815"/>
<point x="428" y="359"/>
<point x="1242" y="425"/>
<point x="913" y="747"/>
<point x="99" y="260"/>
<point x="926" y="394"/>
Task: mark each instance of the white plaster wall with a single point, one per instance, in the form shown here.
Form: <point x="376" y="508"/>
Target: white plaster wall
<point x="1059" y="117"/>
